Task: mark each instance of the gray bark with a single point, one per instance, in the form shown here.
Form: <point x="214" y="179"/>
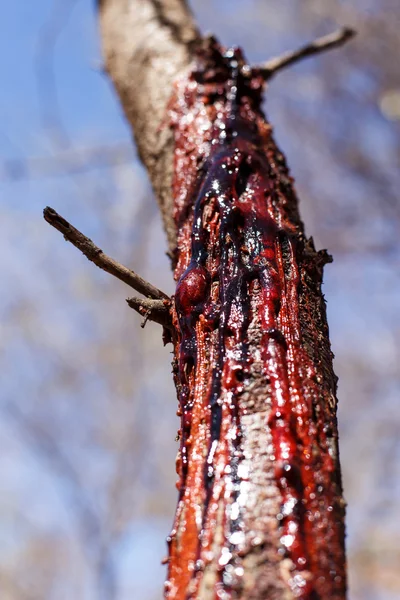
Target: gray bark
<point x="147" y="44"/>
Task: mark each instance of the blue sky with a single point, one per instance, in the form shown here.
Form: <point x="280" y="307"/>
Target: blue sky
<point x="75" y="361"/>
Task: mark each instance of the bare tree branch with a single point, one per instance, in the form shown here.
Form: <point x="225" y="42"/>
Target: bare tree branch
<point x="327" y="42"/>
<point x="97" y="256"/>
<point x="153" y="310"/>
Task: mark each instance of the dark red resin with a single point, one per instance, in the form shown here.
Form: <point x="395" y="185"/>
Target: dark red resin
<point x="245" y="296"/>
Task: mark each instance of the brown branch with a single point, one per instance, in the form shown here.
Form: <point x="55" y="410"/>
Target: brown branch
<point x="327" y="42"/>
<point x="153" y="310"/>
<point x="97" y="256"/>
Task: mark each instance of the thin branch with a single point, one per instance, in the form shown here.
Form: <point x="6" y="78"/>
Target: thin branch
<point x="327" y="42"/>
<point x="97" y="256"/>
<point x="152" y="310"/>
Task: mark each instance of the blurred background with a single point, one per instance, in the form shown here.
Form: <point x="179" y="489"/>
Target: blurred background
<point x="88" y="424"/>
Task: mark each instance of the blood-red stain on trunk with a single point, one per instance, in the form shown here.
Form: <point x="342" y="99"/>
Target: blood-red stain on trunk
<point x="260" y="511"/>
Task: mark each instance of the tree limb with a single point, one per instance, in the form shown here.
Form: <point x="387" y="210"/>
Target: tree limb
<point x="327" y="42"/>
<point x="97" y="256"/>
<point x="153" y="310"/>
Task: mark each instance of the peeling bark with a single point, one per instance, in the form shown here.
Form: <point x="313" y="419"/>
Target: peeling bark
<point x="260" y="512"/>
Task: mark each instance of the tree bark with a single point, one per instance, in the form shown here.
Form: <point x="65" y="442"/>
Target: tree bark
<point x="260" y="512"/>
<point x="147" y="44"/>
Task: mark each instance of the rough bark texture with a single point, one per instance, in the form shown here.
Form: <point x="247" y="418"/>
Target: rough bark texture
<point x="260" y="512"/>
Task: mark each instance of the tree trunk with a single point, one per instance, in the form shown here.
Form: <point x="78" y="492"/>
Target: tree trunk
<point x="260" y="512"/>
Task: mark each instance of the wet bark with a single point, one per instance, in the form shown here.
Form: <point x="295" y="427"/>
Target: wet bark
<point x="260" y="513"/>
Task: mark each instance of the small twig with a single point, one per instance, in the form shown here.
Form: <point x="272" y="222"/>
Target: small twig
<point x="153" y="310"/>
<point x="96" y="255"/>
<point x="321" y="44"/>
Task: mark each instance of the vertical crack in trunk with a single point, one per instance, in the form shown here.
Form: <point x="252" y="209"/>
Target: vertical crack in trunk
<point x="260" y="510"/>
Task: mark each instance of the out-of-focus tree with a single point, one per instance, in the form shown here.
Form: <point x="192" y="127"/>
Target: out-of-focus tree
<point x="85" y="491"/>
